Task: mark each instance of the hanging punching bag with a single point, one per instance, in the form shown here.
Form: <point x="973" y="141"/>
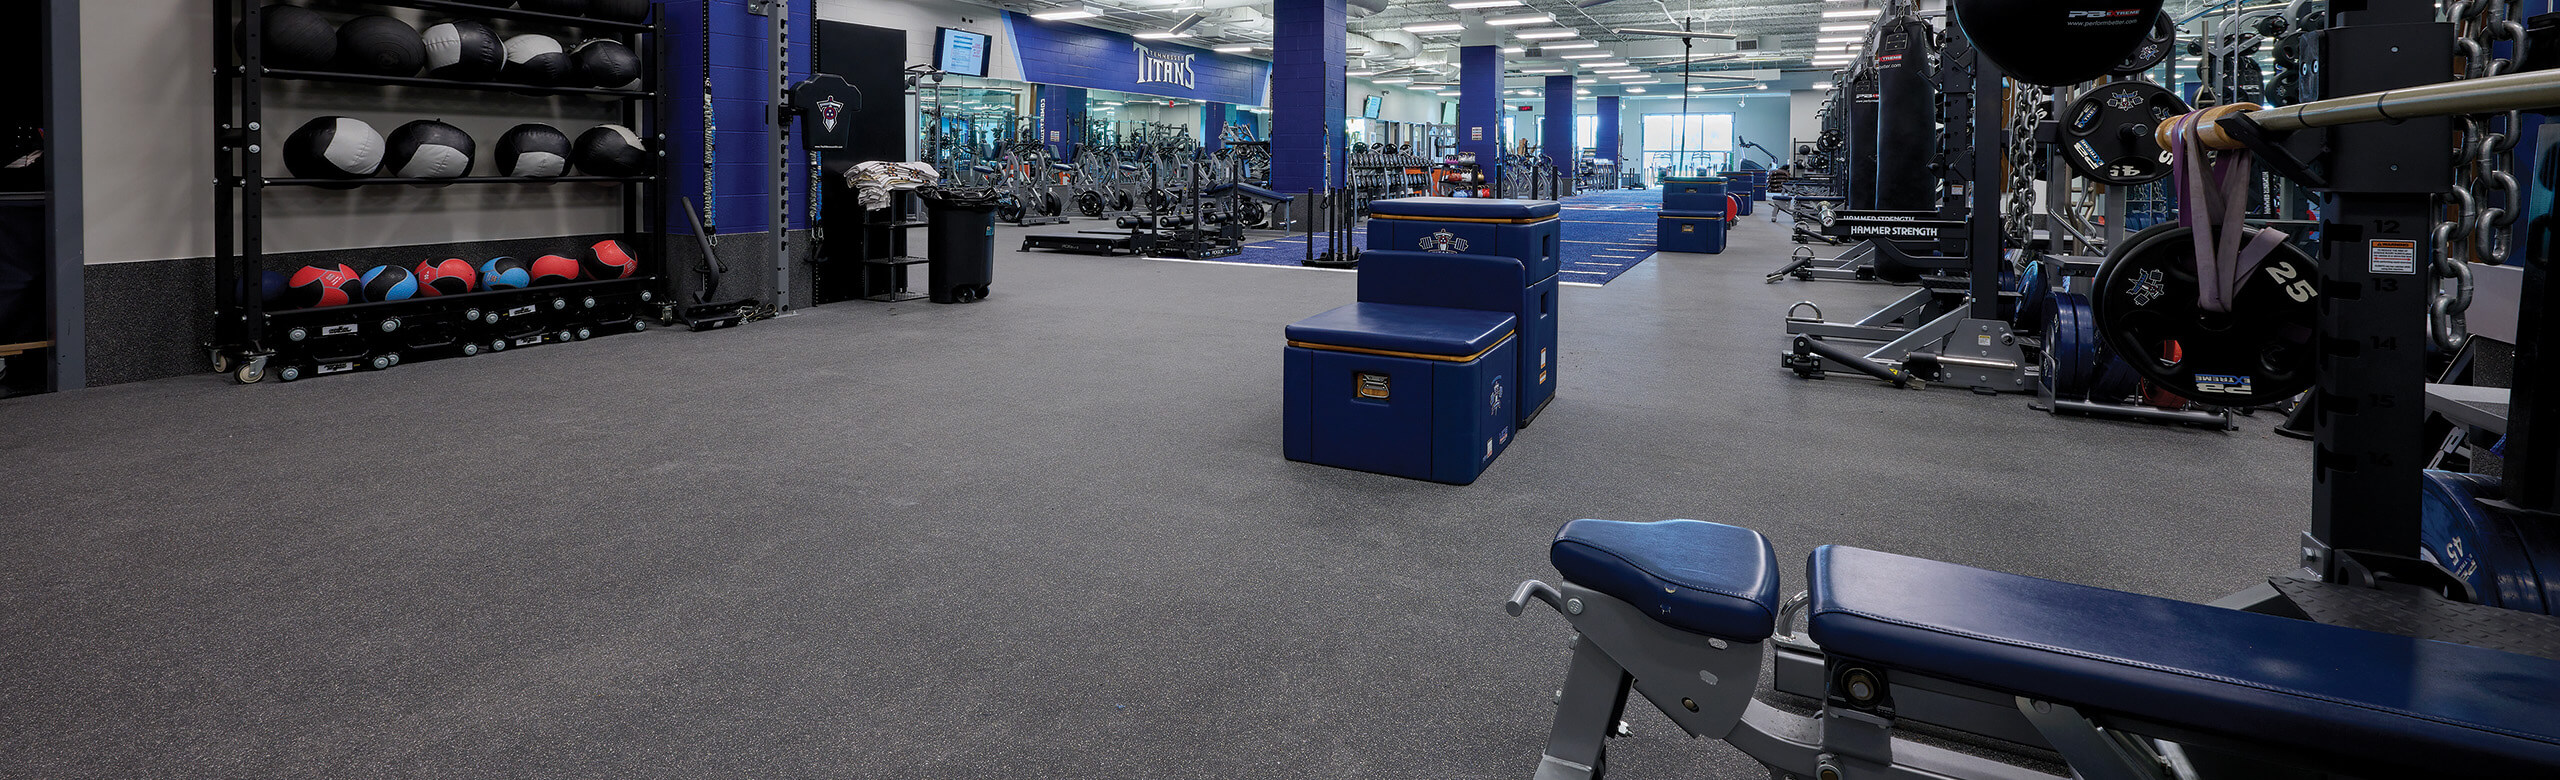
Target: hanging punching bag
<point x="1906" y="117"/>
<point x="2056" y="42"/>
<point x="1862" y="140"/>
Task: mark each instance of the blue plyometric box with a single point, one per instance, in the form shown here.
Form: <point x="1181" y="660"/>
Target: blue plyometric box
<point x="1701" y="232"/>
<point x="1515" y="228"/>
<point x="1422" y="392"/>
<point x="1683" y="193"/>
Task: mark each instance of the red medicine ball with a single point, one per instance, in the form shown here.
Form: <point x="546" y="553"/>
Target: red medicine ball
<point x="609" y="259"/>
<point x="451" y="276"/>
<point x="315" y="286"/>
<point x="554" y="269"/>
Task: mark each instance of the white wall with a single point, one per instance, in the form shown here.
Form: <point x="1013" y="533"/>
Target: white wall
<point x="147" y="88"/>
<point x="1804" y="109"/>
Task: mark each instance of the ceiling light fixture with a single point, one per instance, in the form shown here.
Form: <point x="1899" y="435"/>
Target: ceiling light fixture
<point x="1470" y="5"/>
<point x="1434" y="27"/>
<point x="1538" y="35"/>
<point x="1513" y="21"/>
<point x="1674" y="33"/>
<point x="1069" y="12"/>
<point x="1238" y="48"/>
<point x="1158" y="36"/>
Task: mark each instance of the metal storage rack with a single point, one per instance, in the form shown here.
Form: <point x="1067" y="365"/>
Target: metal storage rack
<point x="251" y="341"/>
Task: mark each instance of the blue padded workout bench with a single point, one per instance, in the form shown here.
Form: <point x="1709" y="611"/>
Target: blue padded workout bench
<point x="1520" y="229"/>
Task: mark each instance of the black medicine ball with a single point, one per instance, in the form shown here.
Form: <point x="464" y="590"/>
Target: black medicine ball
<point x="463" y="50"/>
<point x="610" y="150"/>
<point x="619" y="10"/>
<point x="536" y="60"/>
<point x="293" y="37"/>
<point x="606" y="63"/>
<point x="428" y="149"/>
<point x="561" y="7"/>
<point x="381" y="46"/>
<point x="533" y="150"/>
<point x="333" y="147"/>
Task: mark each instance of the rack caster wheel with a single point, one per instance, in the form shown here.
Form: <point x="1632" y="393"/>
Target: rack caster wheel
<point x="288" y="373"/>
<point x="982" y="292"/>
<point x="249" y="373"/>
<point x="586" y="333"/>
<point x="470" y="349"/>
<point x="222" y="363"/>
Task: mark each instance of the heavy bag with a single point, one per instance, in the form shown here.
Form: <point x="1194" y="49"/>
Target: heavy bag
<point x="2053" y="43"/>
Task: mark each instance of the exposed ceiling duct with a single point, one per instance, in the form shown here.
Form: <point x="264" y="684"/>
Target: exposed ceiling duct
<point x="1358" y="9"/>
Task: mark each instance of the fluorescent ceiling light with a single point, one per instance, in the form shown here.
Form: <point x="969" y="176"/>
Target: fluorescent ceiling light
<point x="1157" y="36"/>
<point x="1070" y="12"/>
<point x="1597" y="55"/>
<point x="1840" y="39"/>
<point x="1629" y="78"/>
<point x="1514" y="50"/>
<point x="1542" y="70"/>
<point x="1434" y="27"/>
<point x="1637" y="90"/>
<point x="1234" y="48"/>
<point x="1843" y="28"/>
<point x="1616" y="70"/>
<point x="1535" y="35"/>
<point x="1674" y="33"/>
<point x="1360" y="73"/>
<point x="1395" y="81"/>
<point x="1510" y="21"/>
<point x="1823" y="85"/>
<point x="1581" y="91"/>
<point x="1858" y="14"/>
<point x="1568" y="46"/>
<point x="1469" y="5"/>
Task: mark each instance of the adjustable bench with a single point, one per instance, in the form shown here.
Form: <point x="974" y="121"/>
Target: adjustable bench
<point x="1677" y="610"/>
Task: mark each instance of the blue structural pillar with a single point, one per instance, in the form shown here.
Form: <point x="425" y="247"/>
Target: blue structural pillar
<point x="1606" y="137"/>
<point x="1213" y="125"/>
<point x="739" y="172"/>
<point x="1558" y="142"/>
<point x="1306" y="95"/>
<point x="1480" y="103"/>
<point x="1061" y="119"/>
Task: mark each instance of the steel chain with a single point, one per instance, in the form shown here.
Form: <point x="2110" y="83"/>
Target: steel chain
<point x="2485" y="198"/>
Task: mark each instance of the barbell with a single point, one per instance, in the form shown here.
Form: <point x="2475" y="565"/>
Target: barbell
<point x="2526" y="91"/>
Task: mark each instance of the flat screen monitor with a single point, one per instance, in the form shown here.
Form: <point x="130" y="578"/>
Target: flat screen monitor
<point x="1369" y="109"/>
<point x="961" y="52"/>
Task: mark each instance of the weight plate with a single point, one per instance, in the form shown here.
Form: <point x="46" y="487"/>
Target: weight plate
<point x="2257" y="353"/>
<point x="2154" y="48"/>
<point x="2107" y="135"/>
<point x="2033" y="290"/>
<point x="2064" y="344"/>
<point x="2503" y="560"/>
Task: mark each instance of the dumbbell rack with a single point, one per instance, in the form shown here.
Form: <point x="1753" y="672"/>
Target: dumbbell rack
<point x="250" y="342"/>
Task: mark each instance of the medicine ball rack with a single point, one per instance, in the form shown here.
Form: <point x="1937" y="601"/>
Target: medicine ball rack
<point x="251" y="341"/>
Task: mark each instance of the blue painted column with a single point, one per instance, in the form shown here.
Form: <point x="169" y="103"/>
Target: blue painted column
<point x="1606" y="137"/>
<point x="1480" y="103"/>
<point x="1061" y="119"/>
<point x="1559" y="136"/>
<point x="731" y="186"/>
<point x="1307" y="151"/>
<point x="1213" y="123"/>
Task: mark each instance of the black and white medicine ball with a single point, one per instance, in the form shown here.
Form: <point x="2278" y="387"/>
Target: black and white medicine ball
<point x="536" y="60"/>
<point x="333" y="147"/>
<point x="380" y="45"/>
<point x="606" y="63"/>
<point x="619" y="10"/>
<point x="293" y="37"/>
<point x="561" y="7"/>
<point x="428" y="149"/>
<point x="533" y="150"/>
<point x="464" y="50"/>
<point x="610" y="150"/>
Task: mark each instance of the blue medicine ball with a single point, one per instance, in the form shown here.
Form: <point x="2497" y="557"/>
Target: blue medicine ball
<point x="505" y="273"/>
<point x="271" y="286"/>
<point x="389" y="283"/>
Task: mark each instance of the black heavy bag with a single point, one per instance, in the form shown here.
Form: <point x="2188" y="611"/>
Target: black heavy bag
<point x="381" y="46"/>
<point x="1862" y="141"/>
<point x="2056" y="42"/>
<point x="1906" y="118"/>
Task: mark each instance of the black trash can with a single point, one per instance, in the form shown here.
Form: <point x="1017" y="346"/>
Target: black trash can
<point x="960" y="243"/>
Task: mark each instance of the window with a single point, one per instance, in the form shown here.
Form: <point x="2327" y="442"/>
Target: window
<point x="1688" y="142"/>
<point x="1586" y="133"/>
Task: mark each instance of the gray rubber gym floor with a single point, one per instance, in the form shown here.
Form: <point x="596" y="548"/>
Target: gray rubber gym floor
<point x="1049" y="535"/>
